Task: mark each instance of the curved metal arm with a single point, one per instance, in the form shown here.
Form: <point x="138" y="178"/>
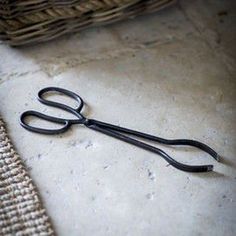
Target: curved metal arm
<point x="185" y="142"/>
<point x="117" y="132"/>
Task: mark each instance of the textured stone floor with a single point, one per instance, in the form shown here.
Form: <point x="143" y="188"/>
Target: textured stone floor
<point x="170" y="74"/>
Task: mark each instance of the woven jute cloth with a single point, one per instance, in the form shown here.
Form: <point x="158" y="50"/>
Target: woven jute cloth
<point x="21" y="211"/>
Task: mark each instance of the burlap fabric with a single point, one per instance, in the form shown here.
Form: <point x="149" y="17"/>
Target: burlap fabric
<point x="21" y="212"/>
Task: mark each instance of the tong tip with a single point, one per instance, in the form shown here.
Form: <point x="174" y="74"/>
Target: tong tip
<point x="210" y="168"/>
<point x="218" y="157"/>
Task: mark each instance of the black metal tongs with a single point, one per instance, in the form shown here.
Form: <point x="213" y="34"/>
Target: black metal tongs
<point x="111" y="130"/>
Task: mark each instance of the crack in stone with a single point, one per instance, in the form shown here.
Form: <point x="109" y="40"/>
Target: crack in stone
<point x="6" y="77"/>
<point x="56" y="68"/>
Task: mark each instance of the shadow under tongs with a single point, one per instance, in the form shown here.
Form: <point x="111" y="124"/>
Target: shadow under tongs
<point x="215" y="174"/>
<point x="227" y="162"/>
<point x="212" y="174"/>
<point x="86" y="111"/>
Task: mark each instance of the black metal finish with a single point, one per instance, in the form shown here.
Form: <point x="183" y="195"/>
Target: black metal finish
<point x="111" y="130"/>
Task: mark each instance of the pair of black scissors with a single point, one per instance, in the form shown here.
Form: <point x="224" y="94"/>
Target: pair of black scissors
<point x="111" y="130"/>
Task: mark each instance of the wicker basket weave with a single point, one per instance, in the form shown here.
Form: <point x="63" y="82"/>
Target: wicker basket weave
<point x="31" y="21"/>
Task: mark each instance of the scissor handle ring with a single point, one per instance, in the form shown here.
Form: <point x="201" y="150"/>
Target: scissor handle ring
<point x="60" y="105"/>
<point x="66" y="123"/>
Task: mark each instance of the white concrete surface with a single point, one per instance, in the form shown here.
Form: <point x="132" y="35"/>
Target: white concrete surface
<point x="170" y="74"/>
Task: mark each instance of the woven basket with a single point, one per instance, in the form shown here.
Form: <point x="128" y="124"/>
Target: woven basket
<point x="32" y="21"/>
